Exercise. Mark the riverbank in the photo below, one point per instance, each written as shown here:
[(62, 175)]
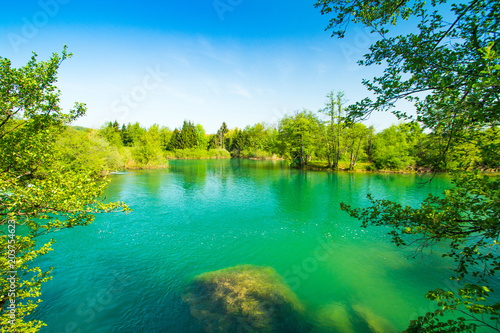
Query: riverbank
[(317, 165), (370, 167)]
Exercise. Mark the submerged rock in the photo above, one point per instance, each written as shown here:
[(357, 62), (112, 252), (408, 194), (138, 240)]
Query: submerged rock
[(245, 299), (334, 318), (376, 323)]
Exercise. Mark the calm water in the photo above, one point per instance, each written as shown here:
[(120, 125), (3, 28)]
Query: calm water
[(126, 272)]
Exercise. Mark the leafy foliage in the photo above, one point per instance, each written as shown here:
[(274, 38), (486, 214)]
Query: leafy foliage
[(38, 193), (449, 70), (85, 149), (223, 130), (466, 219), (394, 148), (257, 141), (148, 148), (136, 147), (111, 133), (335, 127), (298, 136), (454, 64)]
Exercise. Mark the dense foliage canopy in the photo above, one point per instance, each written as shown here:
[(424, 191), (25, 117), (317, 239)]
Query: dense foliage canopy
[(448, 66), (39, 192)]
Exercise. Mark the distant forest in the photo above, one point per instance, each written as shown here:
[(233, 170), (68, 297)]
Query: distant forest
[(326, 139)]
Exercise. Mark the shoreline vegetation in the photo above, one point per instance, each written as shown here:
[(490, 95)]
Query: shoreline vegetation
[(303, 139), (316, 141), (313, 166)]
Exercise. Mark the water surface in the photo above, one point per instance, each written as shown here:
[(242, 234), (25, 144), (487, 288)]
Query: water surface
[(127, 272)]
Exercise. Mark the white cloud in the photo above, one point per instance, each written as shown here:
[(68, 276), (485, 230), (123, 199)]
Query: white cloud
[(240, 91)]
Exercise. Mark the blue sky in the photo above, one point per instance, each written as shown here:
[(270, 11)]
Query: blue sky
[(164, 62)]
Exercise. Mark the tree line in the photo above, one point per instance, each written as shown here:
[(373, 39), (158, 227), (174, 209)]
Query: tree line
[(327, 139)]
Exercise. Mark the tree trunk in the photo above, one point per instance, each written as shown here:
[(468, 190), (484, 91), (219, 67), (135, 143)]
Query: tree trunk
[(370, 145), (338, 132), (328, 156), (357, 153), (351, 161), (302, 162)]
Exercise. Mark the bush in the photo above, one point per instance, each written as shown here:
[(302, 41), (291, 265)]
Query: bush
[(256, 153), (194, 153)]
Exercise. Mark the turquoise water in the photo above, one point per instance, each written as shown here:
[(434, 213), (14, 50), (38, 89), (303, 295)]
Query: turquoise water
[(127, 272)]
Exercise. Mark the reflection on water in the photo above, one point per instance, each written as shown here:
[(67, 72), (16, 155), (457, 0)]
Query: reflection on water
[(128, 272)]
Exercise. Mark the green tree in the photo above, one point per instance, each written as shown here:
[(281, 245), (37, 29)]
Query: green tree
[(188, 136), (260, 136), (272, 139), (126, 138), (298, 137), (448, 67), (356, 135), (135, 131), (256, 136), (175, 142), (223, 130), (394, 148), (37, 195), (240, 142), (435, 154), (253, 141), (77, 150), (165, 137), (112, 133), (201, 138), (369, 143), (334, 112), (489, 157), (228, 138), (213, 141), (148, 148)]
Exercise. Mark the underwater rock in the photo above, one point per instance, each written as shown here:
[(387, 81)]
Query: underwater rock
[(334, 317), (245, 299), (376, 323)]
